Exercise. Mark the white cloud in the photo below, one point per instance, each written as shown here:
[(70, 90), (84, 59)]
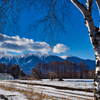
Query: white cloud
[(59, 48), (17, 44)]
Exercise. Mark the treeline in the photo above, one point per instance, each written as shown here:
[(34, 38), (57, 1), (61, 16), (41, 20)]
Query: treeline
[(14, 70), (64, 69)]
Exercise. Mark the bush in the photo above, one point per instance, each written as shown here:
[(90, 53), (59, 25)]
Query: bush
[(36, 73), (52, 75), (60, 79)]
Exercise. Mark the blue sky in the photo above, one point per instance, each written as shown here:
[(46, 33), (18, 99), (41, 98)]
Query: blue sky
[(75, 42)]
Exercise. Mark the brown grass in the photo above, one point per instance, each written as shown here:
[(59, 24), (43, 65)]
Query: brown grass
[(28, 92)]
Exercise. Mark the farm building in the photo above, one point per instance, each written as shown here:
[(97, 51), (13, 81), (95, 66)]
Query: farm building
[(5, 76)]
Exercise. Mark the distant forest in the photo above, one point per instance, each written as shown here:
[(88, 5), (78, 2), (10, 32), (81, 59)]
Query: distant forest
[(54, 69), (14, 70), (64, 69)]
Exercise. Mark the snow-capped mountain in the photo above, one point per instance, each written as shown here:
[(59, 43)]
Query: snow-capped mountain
[(4, 54), (28, 60)]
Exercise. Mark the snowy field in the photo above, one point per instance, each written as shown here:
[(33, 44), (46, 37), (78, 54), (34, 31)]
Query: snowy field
[(8, 95), (74, 89)]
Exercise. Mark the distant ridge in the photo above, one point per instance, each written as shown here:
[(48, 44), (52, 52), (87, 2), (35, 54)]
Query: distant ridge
[(28, 60), (90, 63)]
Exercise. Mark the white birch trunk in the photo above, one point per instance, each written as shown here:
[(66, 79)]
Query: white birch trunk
[(94, 34), (97, 70)]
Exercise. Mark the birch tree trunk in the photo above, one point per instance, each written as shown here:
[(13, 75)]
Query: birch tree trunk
[(94, 34)]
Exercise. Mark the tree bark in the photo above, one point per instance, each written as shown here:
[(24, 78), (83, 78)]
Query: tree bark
[(97, 70), (94, 34)]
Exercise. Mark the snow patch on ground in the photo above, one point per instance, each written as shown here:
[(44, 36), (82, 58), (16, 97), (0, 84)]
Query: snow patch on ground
[(11, 95), (54, 92)]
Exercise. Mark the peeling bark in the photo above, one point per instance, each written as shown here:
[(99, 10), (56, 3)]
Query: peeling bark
[(94, 34)]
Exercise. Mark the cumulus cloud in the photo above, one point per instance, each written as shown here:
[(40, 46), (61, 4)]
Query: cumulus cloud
[(59, 48), (17, 44)]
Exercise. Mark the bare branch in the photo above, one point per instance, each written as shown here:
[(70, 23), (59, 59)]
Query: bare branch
[(87, 16), (80, 6), (89, 5), (52, 10), (52, 24), (9, 15)]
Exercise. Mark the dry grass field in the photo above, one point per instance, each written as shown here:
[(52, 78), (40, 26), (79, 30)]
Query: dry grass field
[(50, 90)]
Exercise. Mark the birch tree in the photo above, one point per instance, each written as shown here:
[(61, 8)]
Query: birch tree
[(94, 34), (58, 12)]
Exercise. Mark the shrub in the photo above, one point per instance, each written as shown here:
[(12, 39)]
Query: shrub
[(60, 79), (52, 75)]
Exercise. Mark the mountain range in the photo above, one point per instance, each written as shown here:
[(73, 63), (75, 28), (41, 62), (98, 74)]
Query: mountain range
[(28, 60)]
